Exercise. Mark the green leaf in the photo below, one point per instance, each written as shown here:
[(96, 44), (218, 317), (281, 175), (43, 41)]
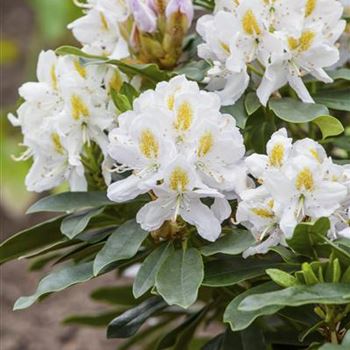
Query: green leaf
[(31, 239), (70, 201), (239, 320), (100, 320), (295, 111), (329, 126), (149, 71), (307, 235), (146, 275), (251, 103), (238, 112), (76, 223), (129, 91), (122, 244), (234, 242), (334, 99), (129, 322), (194, 70), (230, 271), (342, 73), (180, 277), (281, 277), (121, 295), (180, 337), (322, 293), (57, 281)]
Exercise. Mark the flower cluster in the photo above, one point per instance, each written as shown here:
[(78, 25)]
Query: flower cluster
[(67, 109), (150, 31), (297, 183), (279, 40), (180, 149)]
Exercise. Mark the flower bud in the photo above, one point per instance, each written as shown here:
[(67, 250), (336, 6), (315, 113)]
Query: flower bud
[(144, 16), (184, 7)]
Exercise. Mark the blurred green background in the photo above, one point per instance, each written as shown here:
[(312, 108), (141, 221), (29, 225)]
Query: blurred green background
[(27, 27)]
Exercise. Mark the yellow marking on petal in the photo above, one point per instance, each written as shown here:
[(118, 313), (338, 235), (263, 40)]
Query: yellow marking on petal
[(104, 21), (171, 102), (206, 143), (225, 47), (303, 43), (184, 117), (276, 156), (178, 179), (315, 154), (54, 77), (250, 24), (305, 180), (57, 143), (79, 68), (79, 108), (310, 7), (148, 144), (116, 82), (263, 213)]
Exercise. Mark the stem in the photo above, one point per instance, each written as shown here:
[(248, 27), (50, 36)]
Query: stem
[(254, 70), (334, 337)]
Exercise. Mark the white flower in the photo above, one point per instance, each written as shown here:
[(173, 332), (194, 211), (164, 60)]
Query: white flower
[(177, 125), (180, 196)]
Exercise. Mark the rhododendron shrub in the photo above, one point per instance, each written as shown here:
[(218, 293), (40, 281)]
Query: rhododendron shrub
[(205, 151)]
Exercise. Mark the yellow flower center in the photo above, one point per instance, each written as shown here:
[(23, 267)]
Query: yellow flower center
[(148, 144), (184, 117), (315, 154), (116, 81), (303, 43), (225, 47), (79, 68), (305, 180), (171, 102), (310, 7), (250, 24), (79, 109), (276, 156), (55, 138), (54, 77), (263, 213), (206, 143), (179, 179)]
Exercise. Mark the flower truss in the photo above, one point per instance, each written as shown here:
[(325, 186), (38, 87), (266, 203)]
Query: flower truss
[(281, 40), (207, 158)]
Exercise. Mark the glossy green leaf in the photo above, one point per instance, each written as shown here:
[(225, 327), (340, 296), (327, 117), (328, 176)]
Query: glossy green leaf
[(57, 281), (194, 70), (70, 201), (281, 277), (146, 276), (180, 337), (295, 111), (128, 323), (239, 320), (227, 272), (99, 320), (238, 112), (180, 277), (76, 223), (251, 103), (334, 99), (234, 242), (119, 295), (31, 239), (322, 293), (329, 126), (341, 73), (149, 71), (121, 101), (122, 244)]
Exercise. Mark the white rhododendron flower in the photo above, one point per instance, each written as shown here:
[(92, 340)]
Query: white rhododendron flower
[(279, 41), (178, 145), (67, 109), (298, 183)]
